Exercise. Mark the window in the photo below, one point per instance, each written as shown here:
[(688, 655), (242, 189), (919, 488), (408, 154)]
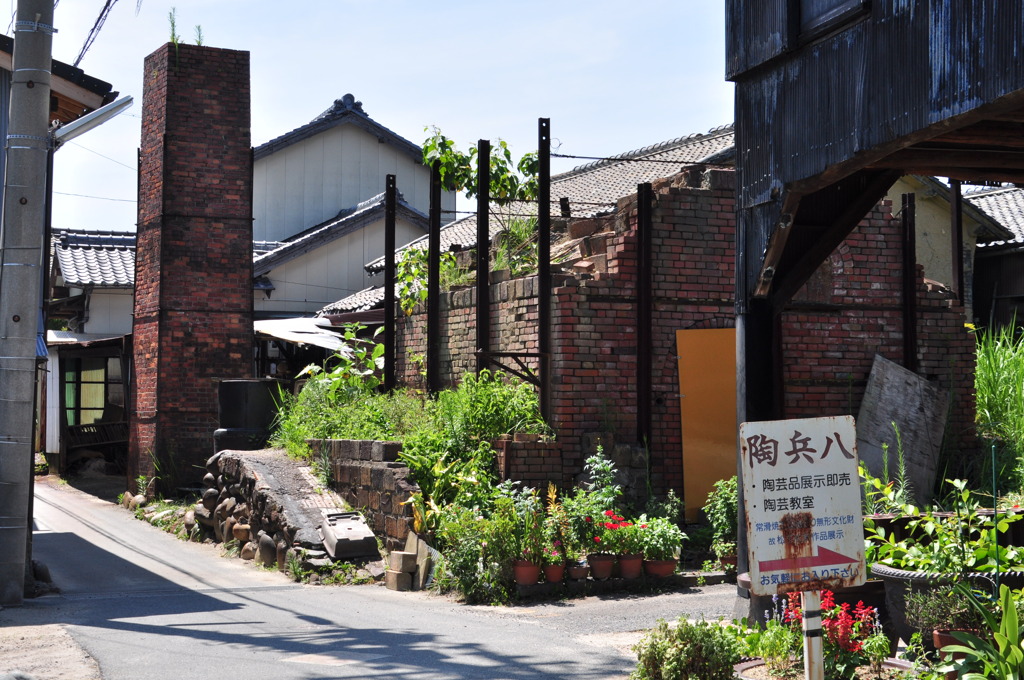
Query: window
[(818, 17), (93, 389)]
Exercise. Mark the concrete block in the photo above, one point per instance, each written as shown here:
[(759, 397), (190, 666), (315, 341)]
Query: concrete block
[(402, 561), (397, 580)]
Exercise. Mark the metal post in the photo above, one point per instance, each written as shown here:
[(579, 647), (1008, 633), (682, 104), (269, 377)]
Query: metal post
[(957, 234), (390, 336), (434, 283), (909, 220), (814, 662), (544, 263), (483, 260), (21, 249), (644, 309)]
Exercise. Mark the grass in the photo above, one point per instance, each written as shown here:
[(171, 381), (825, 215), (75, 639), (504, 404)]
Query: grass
[(999, 386)]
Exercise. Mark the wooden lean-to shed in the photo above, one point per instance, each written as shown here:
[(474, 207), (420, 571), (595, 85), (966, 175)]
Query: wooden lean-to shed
[(834, 100)]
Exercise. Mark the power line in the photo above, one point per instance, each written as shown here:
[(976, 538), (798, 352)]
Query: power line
[(100, 198), (112, 160)]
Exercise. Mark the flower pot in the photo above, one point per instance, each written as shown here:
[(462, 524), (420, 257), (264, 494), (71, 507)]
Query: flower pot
[(578, 572), (553, 573), (631, 566), (660, 568), (942, 637), (898, 583), (601, 565), (525, 573)]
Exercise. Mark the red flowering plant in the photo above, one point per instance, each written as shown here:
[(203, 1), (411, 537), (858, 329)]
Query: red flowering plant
[(614, 534), (852, 635)]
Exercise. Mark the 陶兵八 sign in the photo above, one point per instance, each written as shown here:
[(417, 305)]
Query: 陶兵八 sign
[(801, 494)]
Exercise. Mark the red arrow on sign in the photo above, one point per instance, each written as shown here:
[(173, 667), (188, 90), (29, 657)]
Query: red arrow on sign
[(824, 558)]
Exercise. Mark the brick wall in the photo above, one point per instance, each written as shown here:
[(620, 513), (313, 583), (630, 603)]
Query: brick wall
[(369, 477), (193, 295), (845, 315)]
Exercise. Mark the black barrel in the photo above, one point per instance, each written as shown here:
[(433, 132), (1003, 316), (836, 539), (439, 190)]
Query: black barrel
[(246, 411)]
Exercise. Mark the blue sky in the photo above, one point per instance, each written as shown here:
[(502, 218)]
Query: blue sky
[(611, 76)]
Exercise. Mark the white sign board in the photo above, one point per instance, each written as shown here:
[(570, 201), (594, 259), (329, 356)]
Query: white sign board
[(801, 493)]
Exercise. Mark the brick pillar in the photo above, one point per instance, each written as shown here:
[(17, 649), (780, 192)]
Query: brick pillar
[(193, 270)]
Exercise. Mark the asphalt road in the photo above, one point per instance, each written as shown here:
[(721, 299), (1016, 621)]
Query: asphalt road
[(145, 605)]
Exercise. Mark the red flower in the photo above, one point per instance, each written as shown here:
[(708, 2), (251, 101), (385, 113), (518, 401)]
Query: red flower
[(597, 539)]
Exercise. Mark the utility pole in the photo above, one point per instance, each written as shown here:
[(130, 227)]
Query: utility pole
[(21, 257)]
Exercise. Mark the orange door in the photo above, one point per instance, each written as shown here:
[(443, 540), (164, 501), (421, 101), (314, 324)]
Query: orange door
[(707, 388)]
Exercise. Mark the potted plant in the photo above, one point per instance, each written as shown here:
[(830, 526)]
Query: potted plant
[(528, 534), (660, 542), (553, 563), (1000, 653), (721, 508), (938, 611), (940, 549)]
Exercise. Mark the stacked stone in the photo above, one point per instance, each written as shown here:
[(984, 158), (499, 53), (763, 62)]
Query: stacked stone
[(235, 506)]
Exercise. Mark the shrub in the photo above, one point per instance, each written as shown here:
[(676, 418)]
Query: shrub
[(699, 650)]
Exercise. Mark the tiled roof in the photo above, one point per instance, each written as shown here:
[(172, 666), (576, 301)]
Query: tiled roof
[(103, 259), (364, 300), (344, 111), (345, 222), (1006, 206), (594, 188)]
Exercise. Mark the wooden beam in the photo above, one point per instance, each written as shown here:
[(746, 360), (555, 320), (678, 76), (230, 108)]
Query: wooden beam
[(792, 278), (1008, 104), (989, 133), (970, 174), (938, 159)]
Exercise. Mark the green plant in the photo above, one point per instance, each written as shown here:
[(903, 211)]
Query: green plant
[(411, 276), (172, 20), (940, 607), (510, 180), (961, 541), (999, 389), (199, 35), (354, 370), (293, 567), (517, 247), (660, 538), (701, 650), (999, 656), (589, 502), (721, 509), (670, 506)]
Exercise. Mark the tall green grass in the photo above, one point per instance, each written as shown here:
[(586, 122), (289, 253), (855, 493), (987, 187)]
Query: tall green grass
[(999, 388)]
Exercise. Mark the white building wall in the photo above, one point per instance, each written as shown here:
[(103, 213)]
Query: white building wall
[(110, 311), (334, 271), (311, 181)]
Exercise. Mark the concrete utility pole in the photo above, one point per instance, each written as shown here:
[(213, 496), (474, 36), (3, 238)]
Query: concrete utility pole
[(21, 251)]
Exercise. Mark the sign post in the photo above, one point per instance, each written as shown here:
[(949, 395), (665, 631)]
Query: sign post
[(805, 529)]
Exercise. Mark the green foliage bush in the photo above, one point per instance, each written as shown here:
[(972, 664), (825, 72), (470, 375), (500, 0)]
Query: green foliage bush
[(700, 650)]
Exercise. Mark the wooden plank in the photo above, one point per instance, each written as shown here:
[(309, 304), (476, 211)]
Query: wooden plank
[(918, 408), (938, 159)]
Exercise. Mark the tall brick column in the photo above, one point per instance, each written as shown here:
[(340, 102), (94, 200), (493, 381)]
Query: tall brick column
[(193, 269)]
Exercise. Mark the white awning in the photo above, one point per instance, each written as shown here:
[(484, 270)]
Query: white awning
[(302, 331)]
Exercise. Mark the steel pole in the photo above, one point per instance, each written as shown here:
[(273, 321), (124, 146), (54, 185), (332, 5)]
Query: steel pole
[(483, 260), (814, 661), (21, 256), (390, 336)]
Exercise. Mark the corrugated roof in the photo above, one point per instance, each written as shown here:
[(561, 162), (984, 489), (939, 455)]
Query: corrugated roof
[(344, 111), (364, 300), (346, 222), (594, 188), (102, 259), (1006, 206)]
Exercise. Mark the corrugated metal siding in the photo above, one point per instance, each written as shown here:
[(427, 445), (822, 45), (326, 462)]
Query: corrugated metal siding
[(911, 65), (755, 32)]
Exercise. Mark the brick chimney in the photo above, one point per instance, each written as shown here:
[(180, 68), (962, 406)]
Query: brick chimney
[(193, 268)]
